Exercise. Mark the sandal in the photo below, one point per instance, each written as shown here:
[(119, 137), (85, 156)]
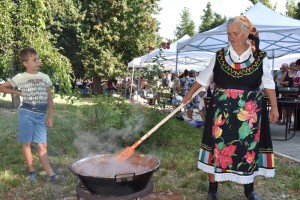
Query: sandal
[(211, 196), (32, 176), (52, 178)]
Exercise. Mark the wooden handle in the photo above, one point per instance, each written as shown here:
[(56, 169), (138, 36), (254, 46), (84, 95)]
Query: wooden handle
[(137, 143)]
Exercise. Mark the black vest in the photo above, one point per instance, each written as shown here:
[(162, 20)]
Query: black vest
[(225, 76)]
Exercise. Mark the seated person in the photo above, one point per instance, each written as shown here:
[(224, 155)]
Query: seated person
[(146, 92), (135, 98), (287, 80)]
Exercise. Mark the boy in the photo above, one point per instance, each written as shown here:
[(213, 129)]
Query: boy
[(35, 87)]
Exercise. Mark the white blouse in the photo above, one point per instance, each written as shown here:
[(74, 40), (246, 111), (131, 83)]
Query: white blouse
[(205, 77)]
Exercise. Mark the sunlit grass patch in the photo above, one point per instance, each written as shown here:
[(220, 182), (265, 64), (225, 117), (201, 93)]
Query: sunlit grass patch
[(9, 177), (175, 143)]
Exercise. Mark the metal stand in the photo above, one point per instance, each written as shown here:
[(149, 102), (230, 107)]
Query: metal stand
[(290, 105), (83, 193)]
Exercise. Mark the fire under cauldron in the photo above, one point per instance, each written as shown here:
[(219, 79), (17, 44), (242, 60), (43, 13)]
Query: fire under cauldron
[(107, 176)]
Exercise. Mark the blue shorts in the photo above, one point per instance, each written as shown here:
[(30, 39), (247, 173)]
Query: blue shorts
[(32, 127)]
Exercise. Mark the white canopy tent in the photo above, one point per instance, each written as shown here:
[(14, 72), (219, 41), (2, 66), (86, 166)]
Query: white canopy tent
[(279, 35), (284, 59), (171, 60), (190, 60)]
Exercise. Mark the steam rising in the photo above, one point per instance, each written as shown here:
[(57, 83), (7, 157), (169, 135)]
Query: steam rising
[(90, 144), (106, 166)]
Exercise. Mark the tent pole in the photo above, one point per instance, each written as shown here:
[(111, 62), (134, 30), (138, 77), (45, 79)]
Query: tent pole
[(139, 82), (273, 62), (176, 76), (176, 66), (125, 92), (132, 82)]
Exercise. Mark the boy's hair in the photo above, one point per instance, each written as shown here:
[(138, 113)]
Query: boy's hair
[(25, 52)]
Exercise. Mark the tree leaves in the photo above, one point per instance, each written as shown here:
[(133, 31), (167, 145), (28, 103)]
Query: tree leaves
[(186, 26), (101, 36), (210, 19), (24, 25)]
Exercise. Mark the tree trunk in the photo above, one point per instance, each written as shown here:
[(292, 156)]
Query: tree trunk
[(97, 87), (15, 101)]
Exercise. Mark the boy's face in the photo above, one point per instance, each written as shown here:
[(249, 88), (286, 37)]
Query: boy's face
[(33, 64)]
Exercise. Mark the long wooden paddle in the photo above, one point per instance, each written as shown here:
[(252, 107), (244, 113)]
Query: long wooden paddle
[(128, 151)]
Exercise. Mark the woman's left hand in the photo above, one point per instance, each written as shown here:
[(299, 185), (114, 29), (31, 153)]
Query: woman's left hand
[(274, 116)]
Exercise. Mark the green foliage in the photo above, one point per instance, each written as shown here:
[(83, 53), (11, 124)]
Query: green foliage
[(265, 2), (186, 26), (210, 19), (293, 9), (7, 36), (24, 25), (108, 112), (155, 71), (105, 112), (113, 34), (63, 21), (98, 38), (101, 37)]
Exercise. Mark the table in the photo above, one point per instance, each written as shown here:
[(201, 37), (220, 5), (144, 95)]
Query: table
[(287, 92), (290, 104)]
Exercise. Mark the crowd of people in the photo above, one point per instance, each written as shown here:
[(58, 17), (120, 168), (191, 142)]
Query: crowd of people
[(148, 91), (168, 89), (287, 78)]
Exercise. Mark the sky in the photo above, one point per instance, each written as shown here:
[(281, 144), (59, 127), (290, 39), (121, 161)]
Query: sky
[(169, 16)]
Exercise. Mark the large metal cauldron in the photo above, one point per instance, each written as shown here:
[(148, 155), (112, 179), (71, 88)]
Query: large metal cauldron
[(108, 176)]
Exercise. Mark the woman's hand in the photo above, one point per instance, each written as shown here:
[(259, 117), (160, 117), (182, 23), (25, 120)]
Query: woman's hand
[(19, 92), (287, 83), (274, 116), (187, 97)]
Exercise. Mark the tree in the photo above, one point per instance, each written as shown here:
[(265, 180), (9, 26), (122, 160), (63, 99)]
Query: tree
[(186, 25), (63, 22), (266, 3), (23, 25), (7, 36), (102, 35), (210, 19), (293, 9)]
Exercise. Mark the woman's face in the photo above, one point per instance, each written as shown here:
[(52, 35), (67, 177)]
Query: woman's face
[(236, 36), (293, 68)]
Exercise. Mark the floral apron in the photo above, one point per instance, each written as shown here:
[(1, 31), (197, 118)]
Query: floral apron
[(236, 144)]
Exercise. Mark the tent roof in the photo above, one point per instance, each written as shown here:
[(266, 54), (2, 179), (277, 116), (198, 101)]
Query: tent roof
[(284, 59), (165, 52), (169, 56), (279, 35)]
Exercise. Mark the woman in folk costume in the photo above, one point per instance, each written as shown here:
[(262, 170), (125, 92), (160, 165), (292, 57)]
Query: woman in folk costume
[(236, 144)]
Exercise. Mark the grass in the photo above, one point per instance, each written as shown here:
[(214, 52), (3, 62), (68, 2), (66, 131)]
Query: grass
[(79, 131)]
